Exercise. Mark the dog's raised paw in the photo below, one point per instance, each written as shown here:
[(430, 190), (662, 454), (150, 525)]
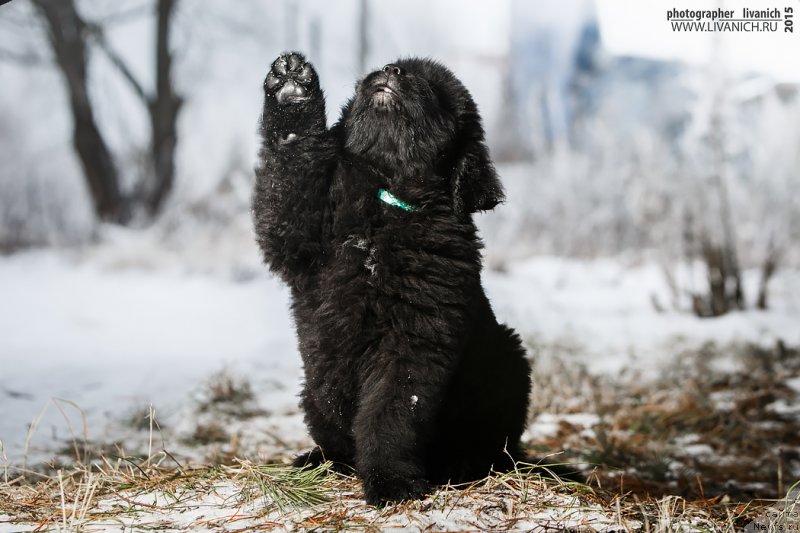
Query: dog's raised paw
[(290, 79)]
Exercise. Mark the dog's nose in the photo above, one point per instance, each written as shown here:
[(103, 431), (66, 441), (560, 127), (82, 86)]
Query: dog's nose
[(393, 70)]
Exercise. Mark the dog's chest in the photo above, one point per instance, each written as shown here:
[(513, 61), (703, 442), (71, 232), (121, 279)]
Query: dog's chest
[(373, 240), (361, 254)]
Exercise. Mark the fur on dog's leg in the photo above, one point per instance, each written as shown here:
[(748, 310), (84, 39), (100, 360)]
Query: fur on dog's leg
[(290, 202), (387, 456), (333, 444), (396, 419)]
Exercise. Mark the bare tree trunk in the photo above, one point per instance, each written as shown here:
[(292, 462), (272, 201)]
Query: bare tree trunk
[(164, 108), (67, 34), (767, 271)]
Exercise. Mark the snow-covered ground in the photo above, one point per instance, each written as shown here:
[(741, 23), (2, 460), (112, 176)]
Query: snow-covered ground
[(606, 308), (134, 321), (111, 340)]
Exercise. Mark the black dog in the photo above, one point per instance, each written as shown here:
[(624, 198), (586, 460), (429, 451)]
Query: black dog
[(409, 377)]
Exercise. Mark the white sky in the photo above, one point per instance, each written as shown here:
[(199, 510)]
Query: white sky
[(640, 27)]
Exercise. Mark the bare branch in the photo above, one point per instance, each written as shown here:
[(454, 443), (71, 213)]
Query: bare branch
[(164, 110), (99, 37)]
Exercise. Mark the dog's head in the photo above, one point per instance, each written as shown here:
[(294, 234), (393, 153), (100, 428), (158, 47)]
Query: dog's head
[(415, 116)]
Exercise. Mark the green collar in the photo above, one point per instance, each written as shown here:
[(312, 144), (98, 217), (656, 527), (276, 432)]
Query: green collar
[(388, 198)]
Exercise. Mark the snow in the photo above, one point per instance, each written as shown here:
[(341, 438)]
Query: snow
[(782, 407), (547, 424), (109, 339), (606, 307), (794, 384), (690, 446), (129, 322)]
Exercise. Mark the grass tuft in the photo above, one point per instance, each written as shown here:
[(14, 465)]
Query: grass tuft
[(286, 487)]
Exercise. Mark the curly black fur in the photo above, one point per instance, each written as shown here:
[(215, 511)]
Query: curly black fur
[(409, 377)]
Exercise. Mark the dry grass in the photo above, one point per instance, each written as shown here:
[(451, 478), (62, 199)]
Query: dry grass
[(251, 496), (225, 393), (158, 493), (646, 471), (716, 430)]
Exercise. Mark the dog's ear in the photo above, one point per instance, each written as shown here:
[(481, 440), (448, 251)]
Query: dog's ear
[(476, 186)]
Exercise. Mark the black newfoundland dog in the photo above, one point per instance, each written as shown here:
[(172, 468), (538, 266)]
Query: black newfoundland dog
[(409, 378)]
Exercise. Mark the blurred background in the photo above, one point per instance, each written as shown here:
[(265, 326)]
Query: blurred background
[(653, 206)]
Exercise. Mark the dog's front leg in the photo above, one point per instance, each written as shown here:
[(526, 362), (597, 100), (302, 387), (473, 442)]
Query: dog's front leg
[(296, 161), (399, 401)]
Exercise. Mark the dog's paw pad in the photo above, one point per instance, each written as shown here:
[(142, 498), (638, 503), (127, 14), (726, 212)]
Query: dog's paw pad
[(290, 78)]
